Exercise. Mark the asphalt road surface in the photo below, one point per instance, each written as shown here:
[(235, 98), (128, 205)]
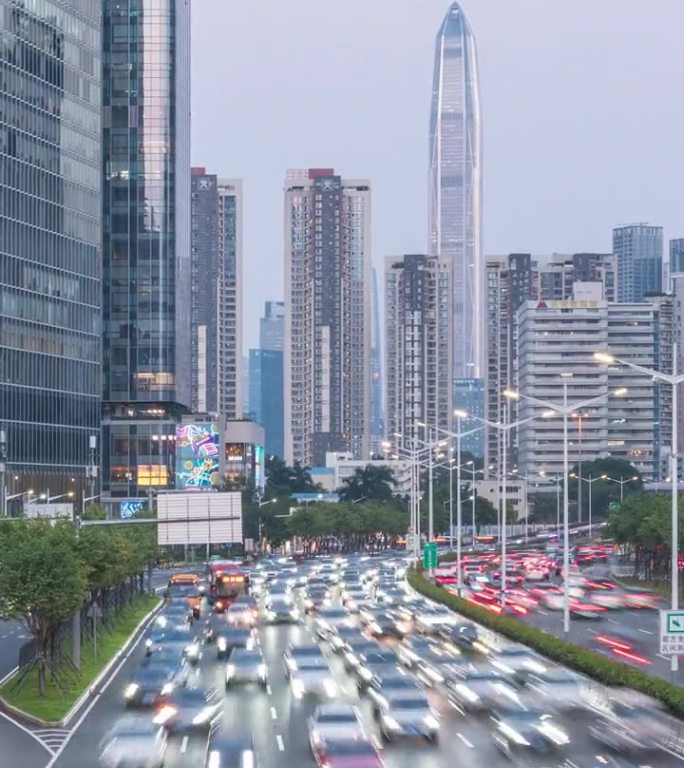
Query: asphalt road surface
[(279, 722)]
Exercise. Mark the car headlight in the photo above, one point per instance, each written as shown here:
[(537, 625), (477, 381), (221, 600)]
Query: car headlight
[(431, 721), (167, 688), (375, 627), (148, 642), (222, 643), (366, 674), (330, 687), (294, 613), (249, 645), (297, 689), (131, 690), (391, 723), (230, 670), (261, 671), (192, 650), (271, 615), (164, 715), (467, 693)]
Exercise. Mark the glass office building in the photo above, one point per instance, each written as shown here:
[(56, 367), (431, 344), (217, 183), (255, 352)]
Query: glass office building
[(50, 240), (146, 242)]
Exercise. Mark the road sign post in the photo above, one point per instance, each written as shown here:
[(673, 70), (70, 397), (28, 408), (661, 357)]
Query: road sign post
[(430, 556), (672, 633)]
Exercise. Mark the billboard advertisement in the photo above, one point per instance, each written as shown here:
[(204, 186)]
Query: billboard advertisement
[(199, 518), (197, 457)]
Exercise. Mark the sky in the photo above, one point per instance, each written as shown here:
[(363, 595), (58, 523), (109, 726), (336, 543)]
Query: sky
[(582, 109)]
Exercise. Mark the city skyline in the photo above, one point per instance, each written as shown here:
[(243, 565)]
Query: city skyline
[(550, 119)]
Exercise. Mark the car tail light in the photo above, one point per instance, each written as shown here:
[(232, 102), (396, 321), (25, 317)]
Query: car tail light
[(630, 656), (613, 643)]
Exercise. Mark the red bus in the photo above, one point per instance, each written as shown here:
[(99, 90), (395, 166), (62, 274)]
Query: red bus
[(227, 581)]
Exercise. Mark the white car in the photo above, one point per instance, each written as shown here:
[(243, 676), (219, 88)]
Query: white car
[(408, 715), (610, 599), (313, 680), (330, 620), (134, 741), (334, 722)]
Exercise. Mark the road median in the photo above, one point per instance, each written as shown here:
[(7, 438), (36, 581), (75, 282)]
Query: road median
[(589, 663), (58, 706)]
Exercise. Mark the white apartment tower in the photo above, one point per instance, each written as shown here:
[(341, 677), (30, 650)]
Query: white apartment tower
[(327, 316), (418, 331)]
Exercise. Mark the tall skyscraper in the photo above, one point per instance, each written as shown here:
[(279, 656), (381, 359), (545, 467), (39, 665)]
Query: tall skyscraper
[(146, 243), (677, 257), (327, 316), (50, 241), (639, 252), (455, 185), (272, 326), (266, 377), (216, 309), (377, 416), (418, 329)]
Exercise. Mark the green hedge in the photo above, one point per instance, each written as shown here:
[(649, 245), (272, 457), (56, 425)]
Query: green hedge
[(613, 673)]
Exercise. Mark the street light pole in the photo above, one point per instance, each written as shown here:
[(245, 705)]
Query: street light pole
[(674, 379)]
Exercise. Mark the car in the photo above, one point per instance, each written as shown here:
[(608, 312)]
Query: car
[(186, 710), (560, 688), (166, 661), (390, 595), (412, 649), (246, 666), (334, 722), (408, 715), (375, 663), (436, 665), (640, 600), (282, 611), (584, 609), (214, 626), (176, 639), (231, 752), (234, 637), (428, 620), (315, 598), (308, 653), (461, 636), (390, 685), (340, 640), (516, 661), (331, 620), (610, 599), (632, 726), (133, 741), (479, 690), (521, 731), (241, 614), (353, 656), (147, 686), (349, 753), (313, 679), (386, 624)]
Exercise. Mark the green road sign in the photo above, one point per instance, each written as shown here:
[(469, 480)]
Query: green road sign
[(675, 622), (430, 555), (614, 506)]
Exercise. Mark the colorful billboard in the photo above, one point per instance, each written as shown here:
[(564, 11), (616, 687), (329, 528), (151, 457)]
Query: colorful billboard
[(197, 457)]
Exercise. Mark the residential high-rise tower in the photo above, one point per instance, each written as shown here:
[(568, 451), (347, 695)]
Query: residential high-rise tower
[(455, 185), (639, 252), (418, 329), (327, 316)]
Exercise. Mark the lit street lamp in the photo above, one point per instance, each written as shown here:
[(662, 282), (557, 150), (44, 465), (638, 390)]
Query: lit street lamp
[(622, 483), (565, 410), (591, 482), (674, 380)]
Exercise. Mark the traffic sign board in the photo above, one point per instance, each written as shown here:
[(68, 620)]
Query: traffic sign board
[(672, 633), (430, 555)]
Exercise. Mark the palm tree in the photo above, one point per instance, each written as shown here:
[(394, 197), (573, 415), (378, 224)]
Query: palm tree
[(372, 482)]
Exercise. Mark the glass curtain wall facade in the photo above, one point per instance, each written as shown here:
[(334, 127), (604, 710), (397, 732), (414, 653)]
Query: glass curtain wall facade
[(50, 240), (455, 185), (146, 242)]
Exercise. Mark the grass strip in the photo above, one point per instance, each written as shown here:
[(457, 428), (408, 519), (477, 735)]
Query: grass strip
[(55, 704)]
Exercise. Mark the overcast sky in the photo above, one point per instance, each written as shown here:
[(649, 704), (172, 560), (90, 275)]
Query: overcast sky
[(582, 105)]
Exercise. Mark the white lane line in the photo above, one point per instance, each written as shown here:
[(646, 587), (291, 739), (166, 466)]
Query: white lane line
[(279, 742), (465, 741), (8, 675), (30, 733), (544, 613), (114, 672), (664, 658), (646, 631), (268, 690), (613, 621), (184, 744), (274, 714)]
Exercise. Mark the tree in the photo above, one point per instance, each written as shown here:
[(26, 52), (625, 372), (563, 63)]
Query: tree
[(603, 492), (372, 483), (42, 580)]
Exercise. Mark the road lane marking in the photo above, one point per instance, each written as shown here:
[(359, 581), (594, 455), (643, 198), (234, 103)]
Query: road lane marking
[(465, 741), (184, 744), (279, 742), (268, 690), (613, 621), (31, 734), (545, 613), (646, 631), (8, 675), (274, 714)]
